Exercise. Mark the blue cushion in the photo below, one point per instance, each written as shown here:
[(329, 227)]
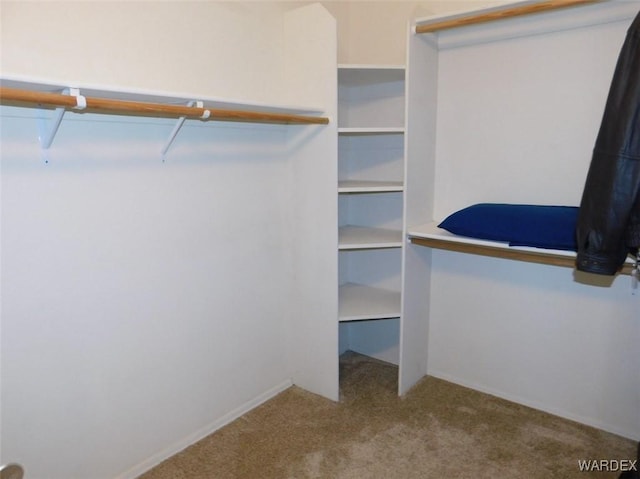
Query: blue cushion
[(551, 227)]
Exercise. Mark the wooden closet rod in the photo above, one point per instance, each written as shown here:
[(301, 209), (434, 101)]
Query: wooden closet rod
[(15, 95), (499, 14)]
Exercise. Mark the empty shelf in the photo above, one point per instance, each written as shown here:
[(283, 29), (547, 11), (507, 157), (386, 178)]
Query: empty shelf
[(361, 237), (373, 130), (358, 302), (366, 186)]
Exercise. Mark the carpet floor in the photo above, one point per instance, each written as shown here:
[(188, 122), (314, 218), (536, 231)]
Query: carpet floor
[(437, 430)]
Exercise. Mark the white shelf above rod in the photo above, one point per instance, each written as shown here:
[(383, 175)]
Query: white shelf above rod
[(515, 9), (75, 101)]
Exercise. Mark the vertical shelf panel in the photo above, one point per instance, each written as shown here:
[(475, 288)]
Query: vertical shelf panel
[(313, 332), (422, 76)]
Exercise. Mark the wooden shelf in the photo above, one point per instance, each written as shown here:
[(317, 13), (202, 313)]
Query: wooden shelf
[(369, 186), (360, 237), (359, 302), (431, 236)]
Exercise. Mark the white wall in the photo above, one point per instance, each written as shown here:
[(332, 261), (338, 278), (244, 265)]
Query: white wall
[(374, 32), (202, 48), (125, 322), (522, 120), (145, 303), (517, 120), (532, 334)]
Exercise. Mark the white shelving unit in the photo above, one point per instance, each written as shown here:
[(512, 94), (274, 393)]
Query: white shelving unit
[(371, 169)]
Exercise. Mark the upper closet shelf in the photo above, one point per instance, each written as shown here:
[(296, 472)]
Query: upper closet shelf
[(521, 19), (156, 103), (149, 105), (431, 236), (361, 75), (18, 92), (369, 66), (484, 15)]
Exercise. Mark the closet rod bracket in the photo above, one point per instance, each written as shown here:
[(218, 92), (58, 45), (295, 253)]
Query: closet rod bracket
[(180, 122), (47, 132)]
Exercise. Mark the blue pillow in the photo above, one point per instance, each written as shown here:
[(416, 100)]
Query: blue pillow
[(550, 227)]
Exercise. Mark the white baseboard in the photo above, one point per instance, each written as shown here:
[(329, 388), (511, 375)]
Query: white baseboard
[(156, 459), (588, 421)]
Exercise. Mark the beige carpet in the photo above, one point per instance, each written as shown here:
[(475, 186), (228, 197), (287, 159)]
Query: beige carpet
[(439, 430)]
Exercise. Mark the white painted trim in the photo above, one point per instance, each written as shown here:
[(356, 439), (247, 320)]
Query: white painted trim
[(156, 459), (534, 405), (538, 24)]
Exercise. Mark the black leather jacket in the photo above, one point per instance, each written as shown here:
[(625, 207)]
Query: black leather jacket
[(608, 226)]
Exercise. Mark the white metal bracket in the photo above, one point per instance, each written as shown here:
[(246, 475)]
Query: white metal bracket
[(47, 132), (179, 123)]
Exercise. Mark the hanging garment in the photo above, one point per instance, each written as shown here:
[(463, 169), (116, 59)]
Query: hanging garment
[(608, 226)]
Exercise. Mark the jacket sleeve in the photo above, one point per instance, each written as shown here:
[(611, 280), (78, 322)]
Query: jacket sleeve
[(607, 227)]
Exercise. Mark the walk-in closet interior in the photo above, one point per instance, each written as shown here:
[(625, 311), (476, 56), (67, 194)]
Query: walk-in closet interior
[(206, 203)]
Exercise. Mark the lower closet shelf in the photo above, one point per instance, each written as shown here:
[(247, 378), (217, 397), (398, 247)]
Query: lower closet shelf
[(431, 236), (359, 302)]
